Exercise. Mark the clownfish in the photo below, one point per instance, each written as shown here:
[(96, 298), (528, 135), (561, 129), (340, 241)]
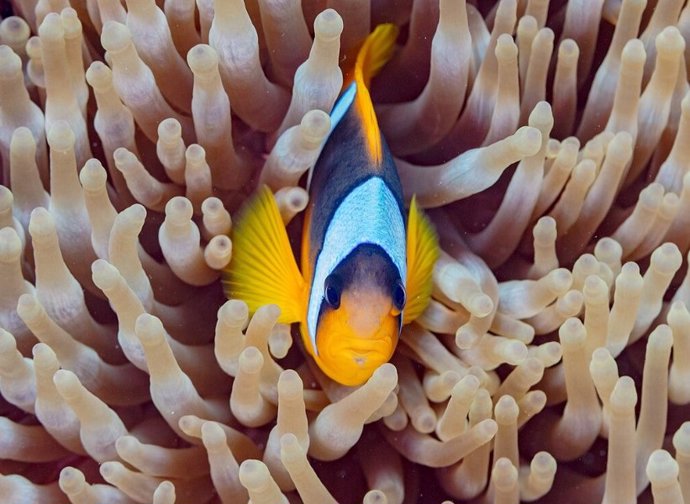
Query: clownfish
[(366, 263)]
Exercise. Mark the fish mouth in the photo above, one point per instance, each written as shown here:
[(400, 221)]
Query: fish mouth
[(351, 360), (364, 359), (365, 350), (352, 365), (360, 360), (368, 354)]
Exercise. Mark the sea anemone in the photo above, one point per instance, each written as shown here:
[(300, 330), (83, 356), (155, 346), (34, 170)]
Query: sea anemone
[(548, 142)]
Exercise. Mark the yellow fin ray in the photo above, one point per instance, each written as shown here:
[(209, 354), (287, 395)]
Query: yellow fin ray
[(422, 253), (263, 269)]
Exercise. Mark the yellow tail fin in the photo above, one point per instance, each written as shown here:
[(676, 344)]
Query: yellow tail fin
[(374, 53)]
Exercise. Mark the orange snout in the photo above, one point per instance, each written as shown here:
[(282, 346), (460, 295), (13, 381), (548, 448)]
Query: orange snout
[(358, 337)]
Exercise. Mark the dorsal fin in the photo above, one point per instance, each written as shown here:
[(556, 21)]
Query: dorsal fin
[(374, 53)]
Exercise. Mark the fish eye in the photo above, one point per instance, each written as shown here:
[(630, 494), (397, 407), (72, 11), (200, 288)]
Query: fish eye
[(399, 296), (333, 287)]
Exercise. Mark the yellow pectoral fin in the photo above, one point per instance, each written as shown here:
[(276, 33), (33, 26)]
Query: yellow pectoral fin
[(263, 269), (422, 253)]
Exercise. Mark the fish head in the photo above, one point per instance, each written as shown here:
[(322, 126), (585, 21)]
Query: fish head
[(360, 318)]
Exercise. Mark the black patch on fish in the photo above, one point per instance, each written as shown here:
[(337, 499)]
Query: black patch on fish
[(342, 166), (367, 266)]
